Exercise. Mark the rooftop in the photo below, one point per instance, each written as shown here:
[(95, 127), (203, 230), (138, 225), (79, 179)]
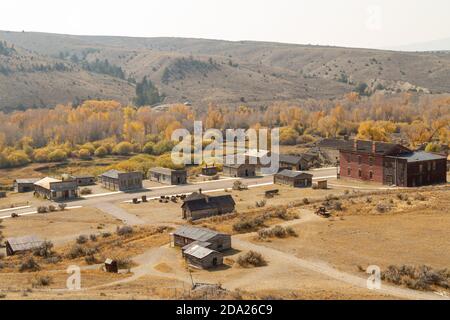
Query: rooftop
[(294, 174), (209, 202), (113, 174), (27, 181), (365, 146), (198, 251), (419, 156), (24, 243), (161, 170), (197, 234), (45, 183)]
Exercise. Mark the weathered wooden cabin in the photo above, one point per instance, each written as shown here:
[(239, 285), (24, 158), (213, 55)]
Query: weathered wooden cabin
[(168, 176), (121, 181), (111, 266), (25, 185), (211, 239), (22, 244), (294, 179), (200, 257), (239, 170), (54, 189), (204, 206)]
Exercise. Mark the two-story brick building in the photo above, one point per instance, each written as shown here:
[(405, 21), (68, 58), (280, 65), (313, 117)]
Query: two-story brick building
[(390, 164)]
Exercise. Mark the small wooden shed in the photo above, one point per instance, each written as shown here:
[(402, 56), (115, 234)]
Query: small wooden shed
[(111, 266), (201, 257), (22, 244), (293, 178), (209, 170), (322, 184)]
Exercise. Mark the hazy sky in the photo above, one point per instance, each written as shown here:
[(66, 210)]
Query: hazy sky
[(356, 23)]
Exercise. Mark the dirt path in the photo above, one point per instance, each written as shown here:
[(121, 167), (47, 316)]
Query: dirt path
[(325, 269), (119, 213)]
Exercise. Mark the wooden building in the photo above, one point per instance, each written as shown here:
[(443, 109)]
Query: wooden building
[(294, 179), (121, 181), (54, 189), (211, 239), (25, 185), (22, 244), (390, 164), (111, 266), (168, 176), (83, 180), (200, 257), (292, 162), (203, 206), (209, 170), (239, 170)]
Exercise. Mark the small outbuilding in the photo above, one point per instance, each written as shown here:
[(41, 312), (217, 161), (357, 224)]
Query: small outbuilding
[(322, 184), (204, 258), (22, 244), (111, 266), (203, 206), (210, 239), (121, 181), (294, 179), (25, 185), (239, 170), (168, 176), (54, 189)]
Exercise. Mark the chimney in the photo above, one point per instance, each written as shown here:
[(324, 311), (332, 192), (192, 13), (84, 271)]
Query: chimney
[(355, 144), (374, 147)]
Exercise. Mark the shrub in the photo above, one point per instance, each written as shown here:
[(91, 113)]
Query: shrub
[(44, 250), (277, 232), (51, 208), (42, 281), (248, 224), (62, 206), (57, 156), (93, 237), (305, 201), (86, 191), (123, 263), (123, 148), (84, 154), (29, 265), (382, 208), (101, 152), (106, 234), (260, 204), (238, 186), (149, 148), (90, 259), (82, 239), (402, 196), (417, 278), (420, 197), (251, 259), (42, 209), (80, 251), (124, 230)]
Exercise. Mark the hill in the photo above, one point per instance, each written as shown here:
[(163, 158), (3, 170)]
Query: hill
[(203, 71)]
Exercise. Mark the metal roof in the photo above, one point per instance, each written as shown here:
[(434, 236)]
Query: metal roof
[(113, 174), (161, 170), (365, 146), (209, 202), (24, 243), (27, 181), (294, 174), (291, 159), (198, 251), (204, 244), (419, 156), (45, 183), (197, 234)]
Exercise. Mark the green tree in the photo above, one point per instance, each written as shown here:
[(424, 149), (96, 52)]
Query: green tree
[(146, 93)]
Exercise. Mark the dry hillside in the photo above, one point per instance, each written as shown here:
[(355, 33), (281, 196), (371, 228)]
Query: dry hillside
[(203, 71)]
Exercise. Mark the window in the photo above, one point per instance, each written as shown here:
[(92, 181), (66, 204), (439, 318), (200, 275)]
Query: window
[(359, 173), (371, 175), (371, 161), (349, 171)]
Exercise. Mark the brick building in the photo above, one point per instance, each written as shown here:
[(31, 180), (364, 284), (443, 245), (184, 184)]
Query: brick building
[(390, 164)]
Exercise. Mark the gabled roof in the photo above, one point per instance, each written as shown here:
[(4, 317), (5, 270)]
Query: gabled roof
[(204, 244), (45, 183), (364, 146), (209, 203), (24, 243), (419, 156), (27, 181), (161, 170), (196, 234), (294, 174), (113, 174), (195, 196), (198, 251), (291, 159)]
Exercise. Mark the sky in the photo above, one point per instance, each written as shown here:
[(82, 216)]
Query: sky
[(352, 23)]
